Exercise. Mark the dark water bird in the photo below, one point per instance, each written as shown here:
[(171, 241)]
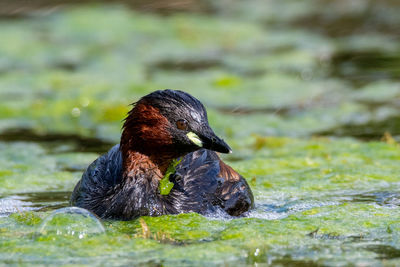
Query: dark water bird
[(162, 127)]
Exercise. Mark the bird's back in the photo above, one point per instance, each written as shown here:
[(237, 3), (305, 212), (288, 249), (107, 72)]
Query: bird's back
[(205, 184), (98, 182)]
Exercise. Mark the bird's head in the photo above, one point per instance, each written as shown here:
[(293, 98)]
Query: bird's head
[(169, 121)]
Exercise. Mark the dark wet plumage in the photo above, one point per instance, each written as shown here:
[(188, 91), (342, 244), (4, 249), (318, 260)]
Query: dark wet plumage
[(124, 183)]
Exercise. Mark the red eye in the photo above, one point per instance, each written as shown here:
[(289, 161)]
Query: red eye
[(182, 124)]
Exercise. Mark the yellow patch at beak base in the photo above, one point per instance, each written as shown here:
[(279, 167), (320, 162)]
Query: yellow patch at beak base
[(194, 138)]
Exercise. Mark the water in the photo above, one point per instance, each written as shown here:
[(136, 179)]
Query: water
[(306, 93), (296, 213), (33, 201)]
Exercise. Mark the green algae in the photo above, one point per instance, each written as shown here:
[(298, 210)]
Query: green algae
[(322, 194), (270, 80), (165, 184), (26, 218), (47, 90), (28, 168)]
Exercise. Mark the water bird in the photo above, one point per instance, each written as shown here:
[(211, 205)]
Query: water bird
[(166, 133)]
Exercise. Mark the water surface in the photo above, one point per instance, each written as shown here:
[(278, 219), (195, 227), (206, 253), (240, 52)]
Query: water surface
[(306, 93)]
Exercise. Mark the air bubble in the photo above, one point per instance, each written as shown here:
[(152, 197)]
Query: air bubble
[(76, 112), (71, 221)]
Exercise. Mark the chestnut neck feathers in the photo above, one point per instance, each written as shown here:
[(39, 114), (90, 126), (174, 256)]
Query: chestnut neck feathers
[(145, 141), (148, 142)]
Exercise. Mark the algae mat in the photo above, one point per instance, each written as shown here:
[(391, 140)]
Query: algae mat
[(288, 84), (318, 202)]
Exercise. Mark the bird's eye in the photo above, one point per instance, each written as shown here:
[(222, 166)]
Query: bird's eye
[(182, 124)]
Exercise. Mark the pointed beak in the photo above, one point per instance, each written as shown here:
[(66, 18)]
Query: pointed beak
[(216, 144), (206, 138)]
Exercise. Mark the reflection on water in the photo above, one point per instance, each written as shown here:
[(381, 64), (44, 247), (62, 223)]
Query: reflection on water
[(15, 10), (362, 67), (38, 201), (280, 209), (390, 199), (12, 204), (371, 130), (47, 201), (384, 251), (75, 142)]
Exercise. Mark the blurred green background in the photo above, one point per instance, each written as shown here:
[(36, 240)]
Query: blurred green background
[(307, 93), (292, 68)]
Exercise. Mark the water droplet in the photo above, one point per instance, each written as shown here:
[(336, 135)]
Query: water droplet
[(71, 221), (85, 102), (76, 112)]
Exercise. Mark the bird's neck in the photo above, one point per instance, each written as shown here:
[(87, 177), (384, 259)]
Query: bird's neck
[(140, 184), (151, 166), (146, 143)]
